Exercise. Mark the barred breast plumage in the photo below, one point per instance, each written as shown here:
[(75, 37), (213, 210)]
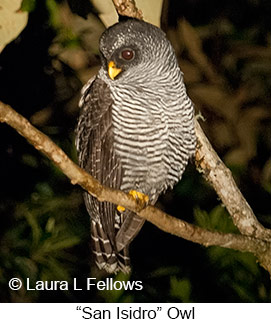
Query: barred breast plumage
[(135, 130)]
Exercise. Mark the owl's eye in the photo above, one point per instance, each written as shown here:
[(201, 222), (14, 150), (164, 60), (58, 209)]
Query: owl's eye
[(127, 54)]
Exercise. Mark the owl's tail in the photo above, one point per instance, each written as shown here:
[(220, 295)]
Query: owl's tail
[(106, 254)]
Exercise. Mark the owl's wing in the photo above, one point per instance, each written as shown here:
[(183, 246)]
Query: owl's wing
[(95, 148), (111, 232)]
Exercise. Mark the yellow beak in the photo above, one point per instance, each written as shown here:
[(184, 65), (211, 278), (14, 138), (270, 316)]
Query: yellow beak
[(113, 71)]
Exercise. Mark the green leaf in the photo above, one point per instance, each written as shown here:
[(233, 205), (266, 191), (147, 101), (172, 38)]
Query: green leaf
[(181, 289), (28, 5), (56, 244), (217, 220), (53, 13), (113, 296)]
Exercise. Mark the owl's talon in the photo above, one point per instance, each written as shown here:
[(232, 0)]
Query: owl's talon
[(137, 196), (143, 198), (120, 208)]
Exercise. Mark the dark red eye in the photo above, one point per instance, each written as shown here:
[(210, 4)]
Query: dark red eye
[(127, 54)]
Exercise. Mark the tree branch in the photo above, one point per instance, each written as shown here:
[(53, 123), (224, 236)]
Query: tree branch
[(162, 220), (127, 8), (220, 178)]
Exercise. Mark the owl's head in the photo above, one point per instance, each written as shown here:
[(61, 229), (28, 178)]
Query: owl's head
[(132, 46)]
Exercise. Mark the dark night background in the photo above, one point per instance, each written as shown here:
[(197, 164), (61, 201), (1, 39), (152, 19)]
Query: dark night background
[(44, 227)]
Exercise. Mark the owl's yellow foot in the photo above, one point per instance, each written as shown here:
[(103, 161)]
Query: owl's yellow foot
[(120, 208), (144, 200)]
